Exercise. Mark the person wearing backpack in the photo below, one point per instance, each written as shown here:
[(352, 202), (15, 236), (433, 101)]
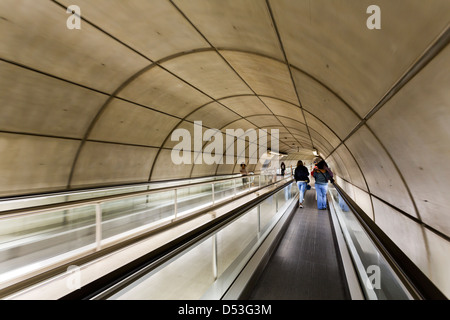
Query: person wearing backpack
[(301, 178), (322, 176)]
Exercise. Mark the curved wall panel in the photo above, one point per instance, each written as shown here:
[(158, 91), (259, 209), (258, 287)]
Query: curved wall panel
[(97, 106)]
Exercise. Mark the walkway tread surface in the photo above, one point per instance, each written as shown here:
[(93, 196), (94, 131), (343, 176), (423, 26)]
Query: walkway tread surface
[(306, 264)]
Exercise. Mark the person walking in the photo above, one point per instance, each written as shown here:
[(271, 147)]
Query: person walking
[(301, 178), (321, 177), (244, 173), (283, 168)]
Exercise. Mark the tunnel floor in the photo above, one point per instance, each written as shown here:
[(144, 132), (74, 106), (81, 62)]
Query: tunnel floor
[(306, 264)]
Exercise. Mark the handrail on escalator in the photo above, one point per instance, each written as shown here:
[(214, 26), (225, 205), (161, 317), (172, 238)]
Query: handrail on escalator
[(97, 200), (106, 249), (112, 282), (416, 282)]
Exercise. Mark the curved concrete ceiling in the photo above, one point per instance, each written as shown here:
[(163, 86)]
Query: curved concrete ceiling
[(97, 106)]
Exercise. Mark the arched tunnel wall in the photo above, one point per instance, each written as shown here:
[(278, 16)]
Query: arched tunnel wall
[(98, 105)]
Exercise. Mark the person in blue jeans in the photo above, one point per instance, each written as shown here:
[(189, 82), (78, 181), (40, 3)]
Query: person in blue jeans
[(321, 175), (301, 176)]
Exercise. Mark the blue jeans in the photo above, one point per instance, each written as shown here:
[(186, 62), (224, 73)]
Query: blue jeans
[(302, 188), (321, 190)]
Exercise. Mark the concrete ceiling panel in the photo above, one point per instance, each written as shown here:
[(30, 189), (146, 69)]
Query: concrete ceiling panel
[(321, 102), (184, 125), (245, 105), (364, 201), (285, 109), (414, 128), (319, 126), (108, 164), (172, 60), (208, 72), (213, 146), (406, 234), (154, 28), (214, 115), (124, 122), (165, 169), (354, 172), (34, 34), (381, 175), (204, 170), (323, 152), (225, 168), (293, 124), (297, 132), (265, 121), (246, 25), (306, 142), (35, 103), (327, 148), (31, 164), (264, 75), (359, 64), (239, 124), (347, 187), (302, 154), (162, 91)]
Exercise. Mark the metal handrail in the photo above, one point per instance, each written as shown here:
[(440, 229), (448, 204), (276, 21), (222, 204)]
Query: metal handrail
[(113, 281), (416, 282), (99, 200), (70, 192)]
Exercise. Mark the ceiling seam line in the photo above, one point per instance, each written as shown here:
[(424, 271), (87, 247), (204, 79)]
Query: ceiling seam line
[(17, 64), (215, 49), (113, 95), (288, 66), (212, 48), (254, 92), (403, 180), (137, 52), (98, 115), (179, 54), (402, 212), (149, 107), (207, 95), (107, 33), (426, 57), (213, 100), (157, 63), (40, 135), (238, 138), (142, 105), (189, 114), (248, 145), (423, 60), (334, 93)]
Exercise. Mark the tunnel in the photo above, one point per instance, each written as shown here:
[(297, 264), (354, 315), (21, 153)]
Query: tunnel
[(91, 93)]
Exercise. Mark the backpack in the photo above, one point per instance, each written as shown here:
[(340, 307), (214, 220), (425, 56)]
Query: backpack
[(301, 174)]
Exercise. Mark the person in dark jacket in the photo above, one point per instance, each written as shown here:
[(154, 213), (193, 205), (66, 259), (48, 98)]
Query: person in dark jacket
[(321, 176), (301, 177)]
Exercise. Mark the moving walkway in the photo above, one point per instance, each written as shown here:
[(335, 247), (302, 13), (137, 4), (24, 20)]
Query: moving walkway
[(222, 248)]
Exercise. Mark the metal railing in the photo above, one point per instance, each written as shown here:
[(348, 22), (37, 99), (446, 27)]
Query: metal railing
[(384, 271), (36, 239), (242, 229)]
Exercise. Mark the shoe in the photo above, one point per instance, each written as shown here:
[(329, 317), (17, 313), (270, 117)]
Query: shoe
[(300, 205)]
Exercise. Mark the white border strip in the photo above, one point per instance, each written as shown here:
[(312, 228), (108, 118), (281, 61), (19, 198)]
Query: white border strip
[(350, 274)]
